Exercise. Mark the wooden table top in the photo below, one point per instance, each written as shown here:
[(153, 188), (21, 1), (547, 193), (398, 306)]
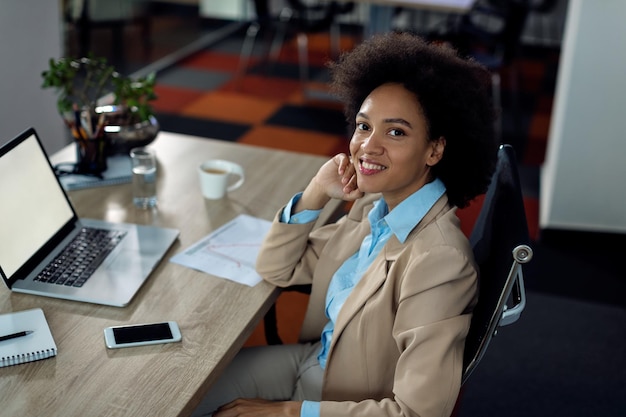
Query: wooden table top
[(215, 316)]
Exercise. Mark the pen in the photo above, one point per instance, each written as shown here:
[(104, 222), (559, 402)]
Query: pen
[(14, 335), (78, 124)]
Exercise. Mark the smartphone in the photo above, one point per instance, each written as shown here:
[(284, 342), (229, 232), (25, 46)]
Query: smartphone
[(141, 334)]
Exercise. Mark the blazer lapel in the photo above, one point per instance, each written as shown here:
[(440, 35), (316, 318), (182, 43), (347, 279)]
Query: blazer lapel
[(376, 274)]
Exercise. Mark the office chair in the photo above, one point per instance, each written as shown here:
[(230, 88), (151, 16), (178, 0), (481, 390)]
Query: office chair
[(540, 8), (499, 241), (299, 18)]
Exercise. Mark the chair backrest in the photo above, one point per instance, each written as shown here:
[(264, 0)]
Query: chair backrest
[(318, 16), (543, 6), (497, 25), (499, 240)]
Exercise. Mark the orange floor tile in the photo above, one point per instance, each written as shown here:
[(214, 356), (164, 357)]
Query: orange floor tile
[(290, 311), (263, 86), (294, 140), (232, 107), (213, 61), (172, 99)]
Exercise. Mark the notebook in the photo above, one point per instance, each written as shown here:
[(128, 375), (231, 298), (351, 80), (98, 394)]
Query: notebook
[(119, 171), (37, 221), (32, 347)]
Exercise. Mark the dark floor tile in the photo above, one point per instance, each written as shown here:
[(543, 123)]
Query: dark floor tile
[(193, 78), (310, 118), (232, 45), (201, 127), (582, 265), (563, 357), (283, 70)]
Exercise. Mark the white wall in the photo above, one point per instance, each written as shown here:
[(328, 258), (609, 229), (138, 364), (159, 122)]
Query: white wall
[(30, 34), (583, 180)]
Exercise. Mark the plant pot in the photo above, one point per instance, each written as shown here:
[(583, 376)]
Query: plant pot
[(121, 135)]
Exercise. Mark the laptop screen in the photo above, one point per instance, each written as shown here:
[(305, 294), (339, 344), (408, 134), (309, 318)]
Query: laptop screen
[(33, 206)]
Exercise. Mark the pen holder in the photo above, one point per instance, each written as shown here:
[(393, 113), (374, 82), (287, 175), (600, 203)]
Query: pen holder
[(91, 142), (91, 155)]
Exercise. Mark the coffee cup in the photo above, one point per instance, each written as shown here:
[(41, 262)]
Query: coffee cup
[(216, 175)]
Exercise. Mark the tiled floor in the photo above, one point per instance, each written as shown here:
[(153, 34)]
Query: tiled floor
[(201, 95), (264, 107), (205, 87)]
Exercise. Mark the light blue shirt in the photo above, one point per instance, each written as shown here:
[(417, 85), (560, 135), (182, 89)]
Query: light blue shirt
[(383, 224)]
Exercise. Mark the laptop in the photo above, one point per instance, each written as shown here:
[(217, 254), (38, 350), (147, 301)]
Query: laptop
[(44, 245)]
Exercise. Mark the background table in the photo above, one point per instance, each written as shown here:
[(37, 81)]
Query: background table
[(381, 12), (216, 316), (451, 6)]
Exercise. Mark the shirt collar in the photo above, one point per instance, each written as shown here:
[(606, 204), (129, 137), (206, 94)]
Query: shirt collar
[(402, 219)]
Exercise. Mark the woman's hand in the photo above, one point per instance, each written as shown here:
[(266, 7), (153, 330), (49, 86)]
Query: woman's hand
[(259, 408), (335, 179)]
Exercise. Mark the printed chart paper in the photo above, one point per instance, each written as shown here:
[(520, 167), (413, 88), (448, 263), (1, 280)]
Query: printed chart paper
[(229, 252)]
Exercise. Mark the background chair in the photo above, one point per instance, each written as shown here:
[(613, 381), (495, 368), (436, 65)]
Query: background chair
[(541, 8), (491, 33), (88, 15), (499, 241), (298, 18)]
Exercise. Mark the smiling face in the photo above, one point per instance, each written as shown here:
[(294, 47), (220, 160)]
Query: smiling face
[(390, 148)]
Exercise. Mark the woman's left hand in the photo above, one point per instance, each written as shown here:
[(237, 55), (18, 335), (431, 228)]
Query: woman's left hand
[(258, 407)]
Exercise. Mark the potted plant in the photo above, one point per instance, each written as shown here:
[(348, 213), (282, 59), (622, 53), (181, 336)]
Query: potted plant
[(104, 110), (132, 122)]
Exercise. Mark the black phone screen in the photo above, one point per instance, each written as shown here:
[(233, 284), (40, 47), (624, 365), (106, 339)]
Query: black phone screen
[(142, 333)]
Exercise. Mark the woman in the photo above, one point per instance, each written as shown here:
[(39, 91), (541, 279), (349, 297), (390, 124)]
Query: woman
[(394, 281)]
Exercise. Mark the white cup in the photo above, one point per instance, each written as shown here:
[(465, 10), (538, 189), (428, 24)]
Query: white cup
[(215, 175)]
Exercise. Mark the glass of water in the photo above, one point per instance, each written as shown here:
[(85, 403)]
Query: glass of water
[(144, 177)]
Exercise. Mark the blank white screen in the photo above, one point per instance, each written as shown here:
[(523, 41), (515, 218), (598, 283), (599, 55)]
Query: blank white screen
[(33, 206)]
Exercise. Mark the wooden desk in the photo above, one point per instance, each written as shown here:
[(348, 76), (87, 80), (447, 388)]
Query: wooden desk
[(216, 316)]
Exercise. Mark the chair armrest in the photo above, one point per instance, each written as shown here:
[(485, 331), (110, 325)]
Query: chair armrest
[(521, 255)]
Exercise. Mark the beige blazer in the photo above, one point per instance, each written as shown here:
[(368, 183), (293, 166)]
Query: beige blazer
[(397, 348)]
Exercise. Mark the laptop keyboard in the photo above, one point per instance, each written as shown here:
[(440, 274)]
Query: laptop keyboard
[(82, 256)]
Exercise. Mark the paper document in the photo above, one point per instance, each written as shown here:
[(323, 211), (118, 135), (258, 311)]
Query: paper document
[(229, 252)]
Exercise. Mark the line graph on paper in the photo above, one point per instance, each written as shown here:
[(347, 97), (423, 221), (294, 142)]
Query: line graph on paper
[(229, 252), (239, 254)]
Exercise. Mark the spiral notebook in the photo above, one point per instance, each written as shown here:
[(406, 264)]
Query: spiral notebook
[(32, 347)]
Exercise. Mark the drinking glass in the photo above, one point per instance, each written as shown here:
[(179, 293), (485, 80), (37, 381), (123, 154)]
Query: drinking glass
[(144, 177)]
